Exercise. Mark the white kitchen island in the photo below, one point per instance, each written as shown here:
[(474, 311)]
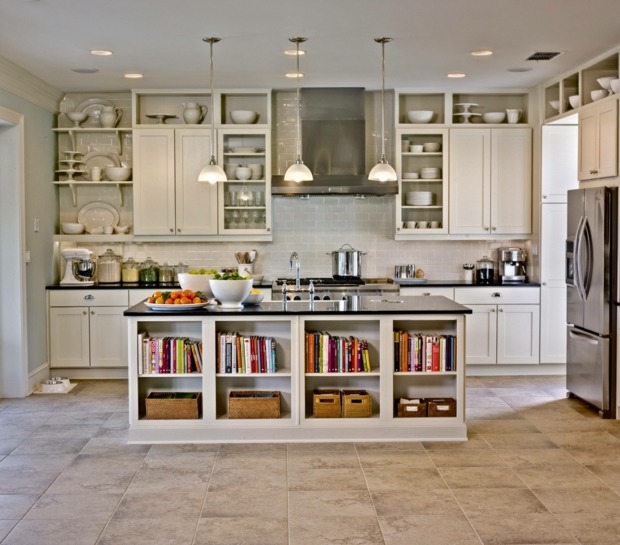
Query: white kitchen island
[(368, 318)]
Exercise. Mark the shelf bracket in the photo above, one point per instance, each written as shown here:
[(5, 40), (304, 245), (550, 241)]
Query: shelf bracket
[(73, 189), (73, 142)]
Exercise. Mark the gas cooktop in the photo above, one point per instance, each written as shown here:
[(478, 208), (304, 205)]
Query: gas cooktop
[(329, 281)]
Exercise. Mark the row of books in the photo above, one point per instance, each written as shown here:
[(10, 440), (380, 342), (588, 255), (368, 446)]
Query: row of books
[(238, 353), (335, 354), (170, 355), (421, 352)]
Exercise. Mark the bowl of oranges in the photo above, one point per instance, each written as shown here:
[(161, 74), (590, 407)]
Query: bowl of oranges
[(176, 300)]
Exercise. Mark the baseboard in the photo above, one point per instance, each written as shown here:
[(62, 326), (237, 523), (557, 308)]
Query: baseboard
[(90, 373), (37, 376), (558, 369)]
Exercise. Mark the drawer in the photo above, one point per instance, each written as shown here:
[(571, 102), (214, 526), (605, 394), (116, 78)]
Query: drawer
[(445, 292), (89, 298), (497, 295)]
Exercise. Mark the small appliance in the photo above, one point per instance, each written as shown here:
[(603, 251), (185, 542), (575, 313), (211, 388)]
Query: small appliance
[(79, 267), (512, 265)]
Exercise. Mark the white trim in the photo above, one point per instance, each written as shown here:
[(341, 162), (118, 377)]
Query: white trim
[(37, 376)]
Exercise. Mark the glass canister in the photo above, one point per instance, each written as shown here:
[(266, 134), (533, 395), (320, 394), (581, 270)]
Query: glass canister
[(180, 268), (130, 273), (149, 272), (166, 273), (109, 267), (484, 271)]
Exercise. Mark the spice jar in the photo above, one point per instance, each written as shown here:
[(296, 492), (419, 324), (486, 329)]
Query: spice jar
[(109, 267), (130, 274), (166, 274), (149, 272)]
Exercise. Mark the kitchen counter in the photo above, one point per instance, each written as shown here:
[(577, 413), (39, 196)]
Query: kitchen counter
[(463, 284), (128, 286)]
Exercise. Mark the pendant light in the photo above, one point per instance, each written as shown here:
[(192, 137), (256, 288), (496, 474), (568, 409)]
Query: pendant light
[(212, 173), (298, 172), (382, 171)]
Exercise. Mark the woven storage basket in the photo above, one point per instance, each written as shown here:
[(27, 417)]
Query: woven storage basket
[(326, 404), (411, 410), (441, 406), (254, 404), (356, 404), (173, 405)]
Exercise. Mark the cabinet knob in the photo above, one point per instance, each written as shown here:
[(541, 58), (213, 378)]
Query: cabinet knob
[(544, 196), (178, 230), (496, 294), (426, 293), (500, 310), (493, 228), (594, 171), (492, 310), (544, 283), (486, 228), (268, 229), (171, 230), (92, 312), (89, 297), (84, 312)]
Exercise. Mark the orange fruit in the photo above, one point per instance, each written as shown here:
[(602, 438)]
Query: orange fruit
[(185, 300), (169, 301), (188, 293), (150, 300), (197, 300), (159, 300), (178, 302)]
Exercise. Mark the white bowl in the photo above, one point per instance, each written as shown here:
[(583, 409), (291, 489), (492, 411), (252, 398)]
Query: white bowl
[(72, 228), (574, 101), (254, 299), (419, 116), (77, 117), (231, 293), (118, 174), (243, 173), (432, 146), (257, 279), (605, 82), (244, 117), (411, 175), (598, 94), (615, 85), (494, 117), (555, 104), (120, 229), (196, 282)]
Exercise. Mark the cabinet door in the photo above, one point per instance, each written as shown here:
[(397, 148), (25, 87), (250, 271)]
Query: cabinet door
[(108, 337), (69, 337), (154, 199), (511, 181), (518, 334), (470, 181), (598, 141), (552, 324), (196, 202), (481, 335), (559, 162)]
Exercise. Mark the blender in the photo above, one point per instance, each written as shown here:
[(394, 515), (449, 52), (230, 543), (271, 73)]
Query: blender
[(79, 267)]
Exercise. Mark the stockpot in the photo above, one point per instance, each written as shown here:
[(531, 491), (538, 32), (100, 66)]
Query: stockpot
[(346, 263)]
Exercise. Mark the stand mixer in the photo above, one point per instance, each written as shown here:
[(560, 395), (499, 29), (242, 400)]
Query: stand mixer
[(79, 268)]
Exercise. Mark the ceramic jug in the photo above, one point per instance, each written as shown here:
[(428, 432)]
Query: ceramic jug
[(194, 113), (110, 116), (513, 115)]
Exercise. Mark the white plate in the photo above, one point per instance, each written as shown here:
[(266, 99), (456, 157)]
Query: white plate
[(156, 306), (98, 214), (102, 159), (93, 107)]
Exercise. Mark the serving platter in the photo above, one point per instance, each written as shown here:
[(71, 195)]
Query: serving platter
[(93, 106), (104, 159), (98, 214), (158, 306)]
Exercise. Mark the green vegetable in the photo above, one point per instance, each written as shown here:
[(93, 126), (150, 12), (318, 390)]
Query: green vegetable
[(229, 276), (203, 271)]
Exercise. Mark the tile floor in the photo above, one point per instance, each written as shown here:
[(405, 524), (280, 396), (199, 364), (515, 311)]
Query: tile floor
[(538, 469)]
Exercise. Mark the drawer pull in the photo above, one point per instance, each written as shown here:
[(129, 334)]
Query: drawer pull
[(89, 297), (84, 312), (426, 293), (92, 312), (496, 294)]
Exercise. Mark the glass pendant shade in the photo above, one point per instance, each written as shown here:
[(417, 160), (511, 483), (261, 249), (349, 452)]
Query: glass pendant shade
[(298, 172), (382, 172)]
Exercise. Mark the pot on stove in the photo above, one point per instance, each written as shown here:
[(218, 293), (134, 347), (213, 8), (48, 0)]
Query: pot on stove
[(346, 263)]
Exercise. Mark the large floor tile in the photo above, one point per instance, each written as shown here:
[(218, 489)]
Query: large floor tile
[(302, 461), (481, 477), (55, 532), (82, 505), (497, 501), (252, 502), (148, 531), (180, 505), (560, 476), (397, 478), (240, 530), (223, 479), (327, 479), (428, 529), (513, 440), (465, 458), (6, 526), (335, 530), (325, 503), (579, 500), (15, 506), (399, 503), (593, 528)]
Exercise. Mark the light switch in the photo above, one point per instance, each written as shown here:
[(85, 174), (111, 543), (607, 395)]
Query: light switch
[(36, 225), (27, 256)]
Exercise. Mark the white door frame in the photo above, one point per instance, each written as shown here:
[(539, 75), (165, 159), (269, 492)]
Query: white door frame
[(13, 323)]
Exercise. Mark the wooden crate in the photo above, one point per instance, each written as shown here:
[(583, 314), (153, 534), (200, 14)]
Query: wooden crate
[(356, 404), (441, 406), (411, 410), (173, 405), (254, 404), (326, 404)]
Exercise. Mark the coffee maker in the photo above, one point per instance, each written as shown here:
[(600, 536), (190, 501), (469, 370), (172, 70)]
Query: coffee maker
[(512, 265), (79, 267)]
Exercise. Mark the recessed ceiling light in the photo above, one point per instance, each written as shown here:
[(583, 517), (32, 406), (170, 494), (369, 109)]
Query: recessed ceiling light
[(133, 75), (101, 52), (517, 69), (456, 75), (482, 53), (294, 75), (85, 70), (293, 52)]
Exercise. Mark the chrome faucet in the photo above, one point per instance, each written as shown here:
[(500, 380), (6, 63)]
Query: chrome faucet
[(295, 259)]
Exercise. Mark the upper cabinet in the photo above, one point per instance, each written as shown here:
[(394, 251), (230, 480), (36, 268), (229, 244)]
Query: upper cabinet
[(598, 140)]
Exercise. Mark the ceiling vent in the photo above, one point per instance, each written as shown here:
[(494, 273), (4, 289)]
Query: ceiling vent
[(543, 55)]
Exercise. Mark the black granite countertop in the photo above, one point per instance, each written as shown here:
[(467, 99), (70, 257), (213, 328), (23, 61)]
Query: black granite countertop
[(354, 305), (129, 286), (463, 284)]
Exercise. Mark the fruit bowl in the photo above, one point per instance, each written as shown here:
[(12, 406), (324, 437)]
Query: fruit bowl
[(231, 293), (196, 282)]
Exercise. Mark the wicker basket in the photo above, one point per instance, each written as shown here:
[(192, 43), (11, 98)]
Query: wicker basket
[(326, 404), (356, 404), (173, 405), (441, 406), (254, 404), (411, 410)]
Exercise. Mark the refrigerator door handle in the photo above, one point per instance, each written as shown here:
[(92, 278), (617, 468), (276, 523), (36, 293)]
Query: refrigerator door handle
[(589, 254), (588, 339), (578, 279)]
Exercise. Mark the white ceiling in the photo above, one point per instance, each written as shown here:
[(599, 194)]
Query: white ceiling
[(163, 40)]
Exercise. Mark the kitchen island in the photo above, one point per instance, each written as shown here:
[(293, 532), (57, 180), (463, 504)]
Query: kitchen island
[(381, 379)]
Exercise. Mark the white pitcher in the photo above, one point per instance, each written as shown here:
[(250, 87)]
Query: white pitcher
[(193, 113), (110, 116), (513, 115)]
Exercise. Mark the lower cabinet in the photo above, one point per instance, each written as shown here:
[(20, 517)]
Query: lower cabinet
[(87, 328), (504, 327), (223, 380)]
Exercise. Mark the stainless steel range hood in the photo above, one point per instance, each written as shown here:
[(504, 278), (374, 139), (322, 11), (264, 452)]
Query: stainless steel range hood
[(333, 146)]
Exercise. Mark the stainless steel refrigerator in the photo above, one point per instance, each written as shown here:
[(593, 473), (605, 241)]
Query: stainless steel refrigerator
[(592, 296)]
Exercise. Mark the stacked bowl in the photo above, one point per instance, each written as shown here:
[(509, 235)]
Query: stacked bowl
[(430, 173), (419, 198)]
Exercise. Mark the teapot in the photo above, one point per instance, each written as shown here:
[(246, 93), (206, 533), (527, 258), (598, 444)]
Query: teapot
[(513, 115), (110, 116), (193, 113)]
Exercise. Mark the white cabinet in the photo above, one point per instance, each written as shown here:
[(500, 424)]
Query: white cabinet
[(598, 140), (168, 199), (559, 162), (490, 181), (426, 291), (87, 328), (504, 326)]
